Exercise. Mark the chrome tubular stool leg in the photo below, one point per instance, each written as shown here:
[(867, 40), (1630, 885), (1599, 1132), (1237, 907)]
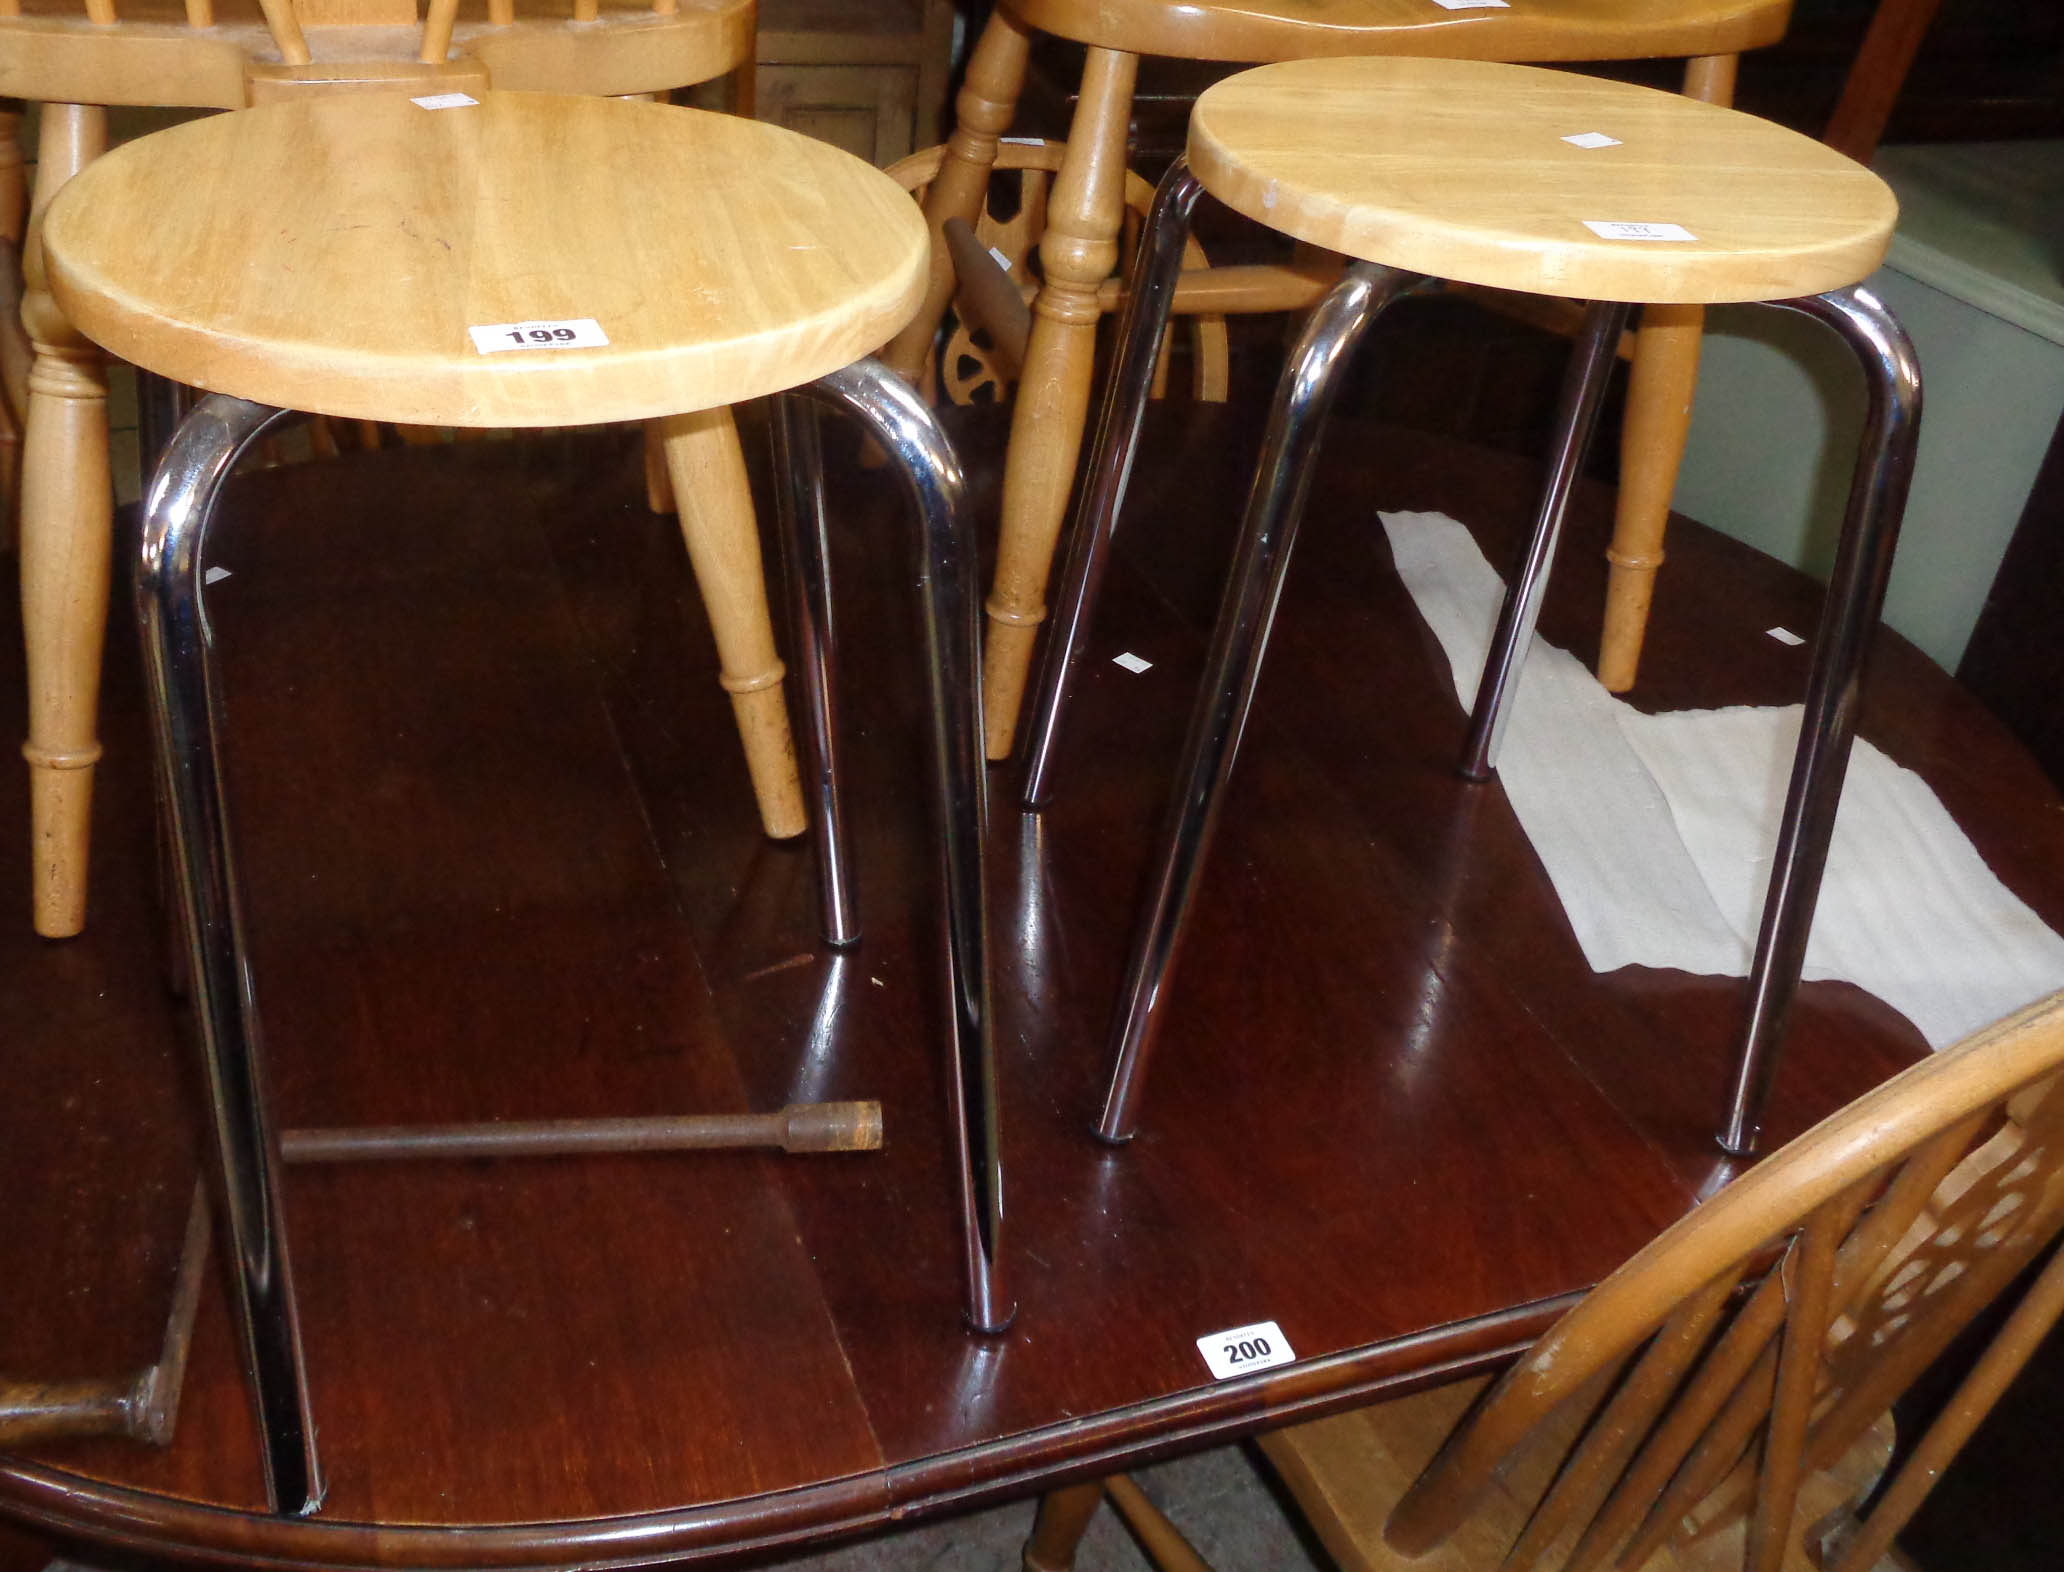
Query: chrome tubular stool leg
[(161, 404), (1856, 594), (806, 547), (1233, 666), (950, 602), (185, 709), (1576, 417), (1150, 292)]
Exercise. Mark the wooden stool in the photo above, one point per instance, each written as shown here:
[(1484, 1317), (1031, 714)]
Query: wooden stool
[(1466, 170), (78, 56), (1086, 206), (653, 264)]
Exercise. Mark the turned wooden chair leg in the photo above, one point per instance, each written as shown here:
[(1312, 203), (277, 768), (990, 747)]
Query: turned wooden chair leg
[(1660, 385), (1659, 392), (707, 470), (659, 485), (67, 519), (983, 110), (1063, 1518), (1078, 252)]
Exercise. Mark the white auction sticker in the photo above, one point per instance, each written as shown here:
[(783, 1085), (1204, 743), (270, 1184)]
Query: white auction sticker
[(1132, 663), (1245, 1348), (1589, 139), (573, 333), (1786, 636), (1618, 229), (445, 101), (1473, 5)]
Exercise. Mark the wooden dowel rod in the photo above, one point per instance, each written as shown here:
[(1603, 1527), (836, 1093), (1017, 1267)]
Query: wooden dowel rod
[(987, 296), (438, 22), (801, 1127), (1164, 1541), (285, 28), (33, 1411)]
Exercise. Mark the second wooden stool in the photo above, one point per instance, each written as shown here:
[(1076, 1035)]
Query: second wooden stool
[(1508, 177)]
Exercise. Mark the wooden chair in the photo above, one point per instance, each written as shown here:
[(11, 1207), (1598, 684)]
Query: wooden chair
[(1683, 1413), (1085, 210), (76, 57), (1532, 190), (529, 260)]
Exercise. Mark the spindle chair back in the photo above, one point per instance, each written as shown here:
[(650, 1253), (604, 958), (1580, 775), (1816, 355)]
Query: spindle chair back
[(1761, 1337), (1085, 212), (223, 54)]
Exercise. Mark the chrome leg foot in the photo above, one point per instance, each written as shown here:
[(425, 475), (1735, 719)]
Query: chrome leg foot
[(185, 720), (905, 429), (1576, 417), (1856, 595), (1150, 294), (806, 548), (1238, 643)]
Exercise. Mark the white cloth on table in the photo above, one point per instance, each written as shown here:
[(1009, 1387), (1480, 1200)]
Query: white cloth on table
[(1658, 830)]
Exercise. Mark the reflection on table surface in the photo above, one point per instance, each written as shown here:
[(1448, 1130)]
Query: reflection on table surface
[(503, 863)]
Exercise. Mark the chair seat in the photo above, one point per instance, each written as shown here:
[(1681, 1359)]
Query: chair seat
[(50, 51), (1249, 30), (1463, 170), (1346, 1472), (333, 254)]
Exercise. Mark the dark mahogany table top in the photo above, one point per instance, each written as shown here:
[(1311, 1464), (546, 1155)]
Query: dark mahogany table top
[(503, 863)]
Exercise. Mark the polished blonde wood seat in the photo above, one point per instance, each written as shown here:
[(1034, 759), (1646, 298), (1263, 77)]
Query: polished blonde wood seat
[(78, 56), (524, 259), (752, 261), (1085, 211), (1396, 162), (1684, 1413)]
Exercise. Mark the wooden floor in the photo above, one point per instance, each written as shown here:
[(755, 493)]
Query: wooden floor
[(502, 862)]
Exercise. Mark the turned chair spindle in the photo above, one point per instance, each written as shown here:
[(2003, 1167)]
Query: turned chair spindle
[(1085, 211)]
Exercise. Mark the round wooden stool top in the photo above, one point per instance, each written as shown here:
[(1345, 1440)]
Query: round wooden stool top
[(336, 255), (1520, 178), (1300, 29)]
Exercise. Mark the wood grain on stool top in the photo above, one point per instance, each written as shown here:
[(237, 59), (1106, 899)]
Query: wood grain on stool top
[(330, 255), (1459, 169), (1524, 30)]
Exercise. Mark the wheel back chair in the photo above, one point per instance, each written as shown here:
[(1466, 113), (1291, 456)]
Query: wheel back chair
[(1688, 1411), (1086, 206), (75, 58)]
